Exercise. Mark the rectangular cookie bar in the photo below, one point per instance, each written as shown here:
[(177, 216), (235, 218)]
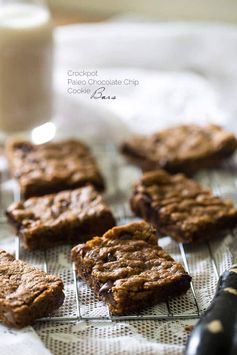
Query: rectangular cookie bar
[(185, 148), (128, 270), (180, 207), (26, 293), (52, 167), (65, 217)]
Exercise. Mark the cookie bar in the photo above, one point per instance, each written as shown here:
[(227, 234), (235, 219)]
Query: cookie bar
[(128, 270), (185, 148), (26, 293), (52, 167), (180, 207), (68, 216)]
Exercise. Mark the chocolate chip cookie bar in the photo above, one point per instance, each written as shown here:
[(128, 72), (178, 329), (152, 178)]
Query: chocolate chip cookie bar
[(185, 148), (65, 217), (52, 167), (180, 207), (26, 293), (128, 270)]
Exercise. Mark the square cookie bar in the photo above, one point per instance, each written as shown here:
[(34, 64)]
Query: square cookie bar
[(52, 167), (185, 148), (128, 270), (180, 207), (26, 293), (65, 217)]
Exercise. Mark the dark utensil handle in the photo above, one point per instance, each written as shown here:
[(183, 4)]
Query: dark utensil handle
[(216, 331)]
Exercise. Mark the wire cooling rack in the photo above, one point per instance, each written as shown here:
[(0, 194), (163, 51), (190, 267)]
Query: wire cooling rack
[(204, 262)]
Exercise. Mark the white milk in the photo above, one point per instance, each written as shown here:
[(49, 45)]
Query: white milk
[(25, 67)]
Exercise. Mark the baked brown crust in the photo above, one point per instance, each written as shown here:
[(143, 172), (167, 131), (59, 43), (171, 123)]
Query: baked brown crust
[(185, 148), (52, 167), (128, 270), (66, 217), (181, 208), (26, 293)]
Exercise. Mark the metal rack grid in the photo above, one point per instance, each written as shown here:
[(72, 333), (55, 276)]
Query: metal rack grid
[(122, 215)]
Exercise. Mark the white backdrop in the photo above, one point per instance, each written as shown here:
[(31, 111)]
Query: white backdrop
[(187, 72)]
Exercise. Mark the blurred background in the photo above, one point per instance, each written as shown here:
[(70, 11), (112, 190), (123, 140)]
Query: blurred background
[(69, 11), (182, 54)]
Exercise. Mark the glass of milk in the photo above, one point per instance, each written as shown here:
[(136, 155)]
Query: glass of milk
[(26, 58)]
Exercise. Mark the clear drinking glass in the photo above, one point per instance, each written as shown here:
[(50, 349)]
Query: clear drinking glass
[(26, 60)]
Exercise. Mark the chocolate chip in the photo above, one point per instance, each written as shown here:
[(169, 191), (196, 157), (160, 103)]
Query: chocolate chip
[(125, 236), (106, 288), (26, 148), (110, 257), (64, 203), (146, 198)]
